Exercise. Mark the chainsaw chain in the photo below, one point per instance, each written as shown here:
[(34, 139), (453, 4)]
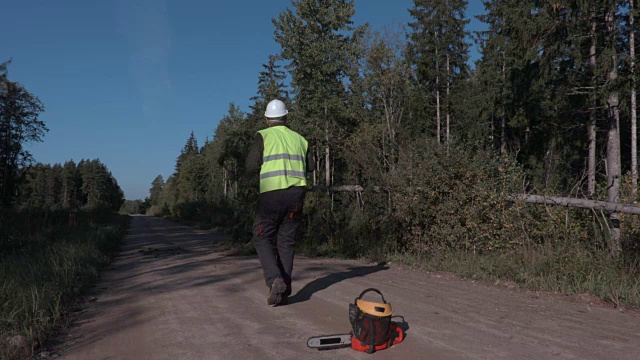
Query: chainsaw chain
[(334, 347)]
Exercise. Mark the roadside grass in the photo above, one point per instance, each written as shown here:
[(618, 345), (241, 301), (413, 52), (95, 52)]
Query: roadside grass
[(43, 276), (570, 256), (567, 271)]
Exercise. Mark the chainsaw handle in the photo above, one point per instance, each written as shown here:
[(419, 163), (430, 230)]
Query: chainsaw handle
[(369, 290)]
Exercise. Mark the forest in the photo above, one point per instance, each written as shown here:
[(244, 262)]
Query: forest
[(436, 153), (58, 226)]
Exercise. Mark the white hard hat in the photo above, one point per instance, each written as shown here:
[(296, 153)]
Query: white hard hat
[(276, 109)]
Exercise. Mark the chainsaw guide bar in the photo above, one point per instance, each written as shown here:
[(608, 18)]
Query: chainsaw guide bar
[(330, 342)]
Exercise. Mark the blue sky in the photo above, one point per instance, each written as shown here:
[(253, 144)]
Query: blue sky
[(126, 81)]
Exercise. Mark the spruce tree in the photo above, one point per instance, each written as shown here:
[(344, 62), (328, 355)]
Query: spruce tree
[(270, 86), (189, 173), (53, 187), (439, 52), (71, 184), (190, 149), (319, 41)]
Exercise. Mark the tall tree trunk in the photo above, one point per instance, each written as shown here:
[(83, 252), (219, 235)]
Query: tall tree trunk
[(233, 180), (634, 139), (327, 151), (613, 139), (333, 171), (327, 165), (224, 180), (437, 95), (448, 103), (437, 112), (503, 115), (316, 158), (65, 199), (492, 130), (385, 158), (591, 167)]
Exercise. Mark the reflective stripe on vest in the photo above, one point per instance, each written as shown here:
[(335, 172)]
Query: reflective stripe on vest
[(284, 159), (282, 156)]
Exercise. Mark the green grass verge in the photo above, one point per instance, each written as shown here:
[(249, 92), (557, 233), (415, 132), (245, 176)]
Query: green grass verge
[(571, 270), (558, 270), (40, 282)]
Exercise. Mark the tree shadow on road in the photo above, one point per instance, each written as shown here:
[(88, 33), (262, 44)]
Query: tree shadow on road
[(322, 283)]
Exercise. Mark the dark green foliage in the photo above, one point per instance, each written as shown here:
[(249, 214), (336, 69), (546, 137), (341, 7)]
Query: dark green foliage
[(19, 124), (270, 86), (210, 185), (57, 226), (319, 41), (133, 207), (87, 185), (368, 101), (156, 201), (438, 50), (55, 256)]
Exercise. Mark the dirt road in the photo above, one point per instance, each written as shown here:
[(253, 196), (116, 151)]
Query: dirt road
[(172, 294)]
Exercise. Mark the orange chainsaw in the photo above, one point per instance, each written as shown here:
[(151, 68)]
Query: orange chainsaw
[(371, 328)]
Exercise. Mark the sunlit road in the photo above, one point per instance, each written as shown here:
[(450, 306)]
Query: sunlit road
[(172, 294)]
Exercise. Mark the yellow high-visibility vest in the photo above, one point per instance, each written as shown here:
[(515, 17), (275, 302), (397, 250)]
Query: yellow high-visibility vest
[(284, 159)]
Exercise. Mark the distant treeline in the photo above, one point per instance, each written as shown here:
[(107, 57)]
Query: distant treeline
[(134, 207), (89, 184), (23, 184), (58, 228)]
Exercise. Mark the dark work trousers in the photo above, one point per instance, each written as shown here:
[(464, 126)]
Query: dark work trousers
[(278, 219)]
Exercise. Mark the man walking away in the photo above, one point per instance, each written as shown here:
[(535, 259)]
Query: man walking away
[(282, 158)]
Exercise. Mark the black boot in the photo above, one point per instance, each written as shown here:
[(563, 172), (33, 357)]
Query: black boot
[(278, 289)]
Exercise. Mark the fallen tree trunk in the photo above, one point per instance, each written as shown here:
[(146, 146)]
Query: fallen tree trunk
[(533, 199), (579, 203)]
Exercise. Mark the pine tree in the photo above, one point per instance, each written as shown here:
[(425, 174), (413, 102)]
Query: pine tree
[(439, 51), (523, 75), (19, 123), (71, 184), (34, 186), (226, 154), (95, 184), (320, 42), (114, 195), (379, 94), (494, 44), (170, 194), (634, 119), (155, 193), (53, 186)]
